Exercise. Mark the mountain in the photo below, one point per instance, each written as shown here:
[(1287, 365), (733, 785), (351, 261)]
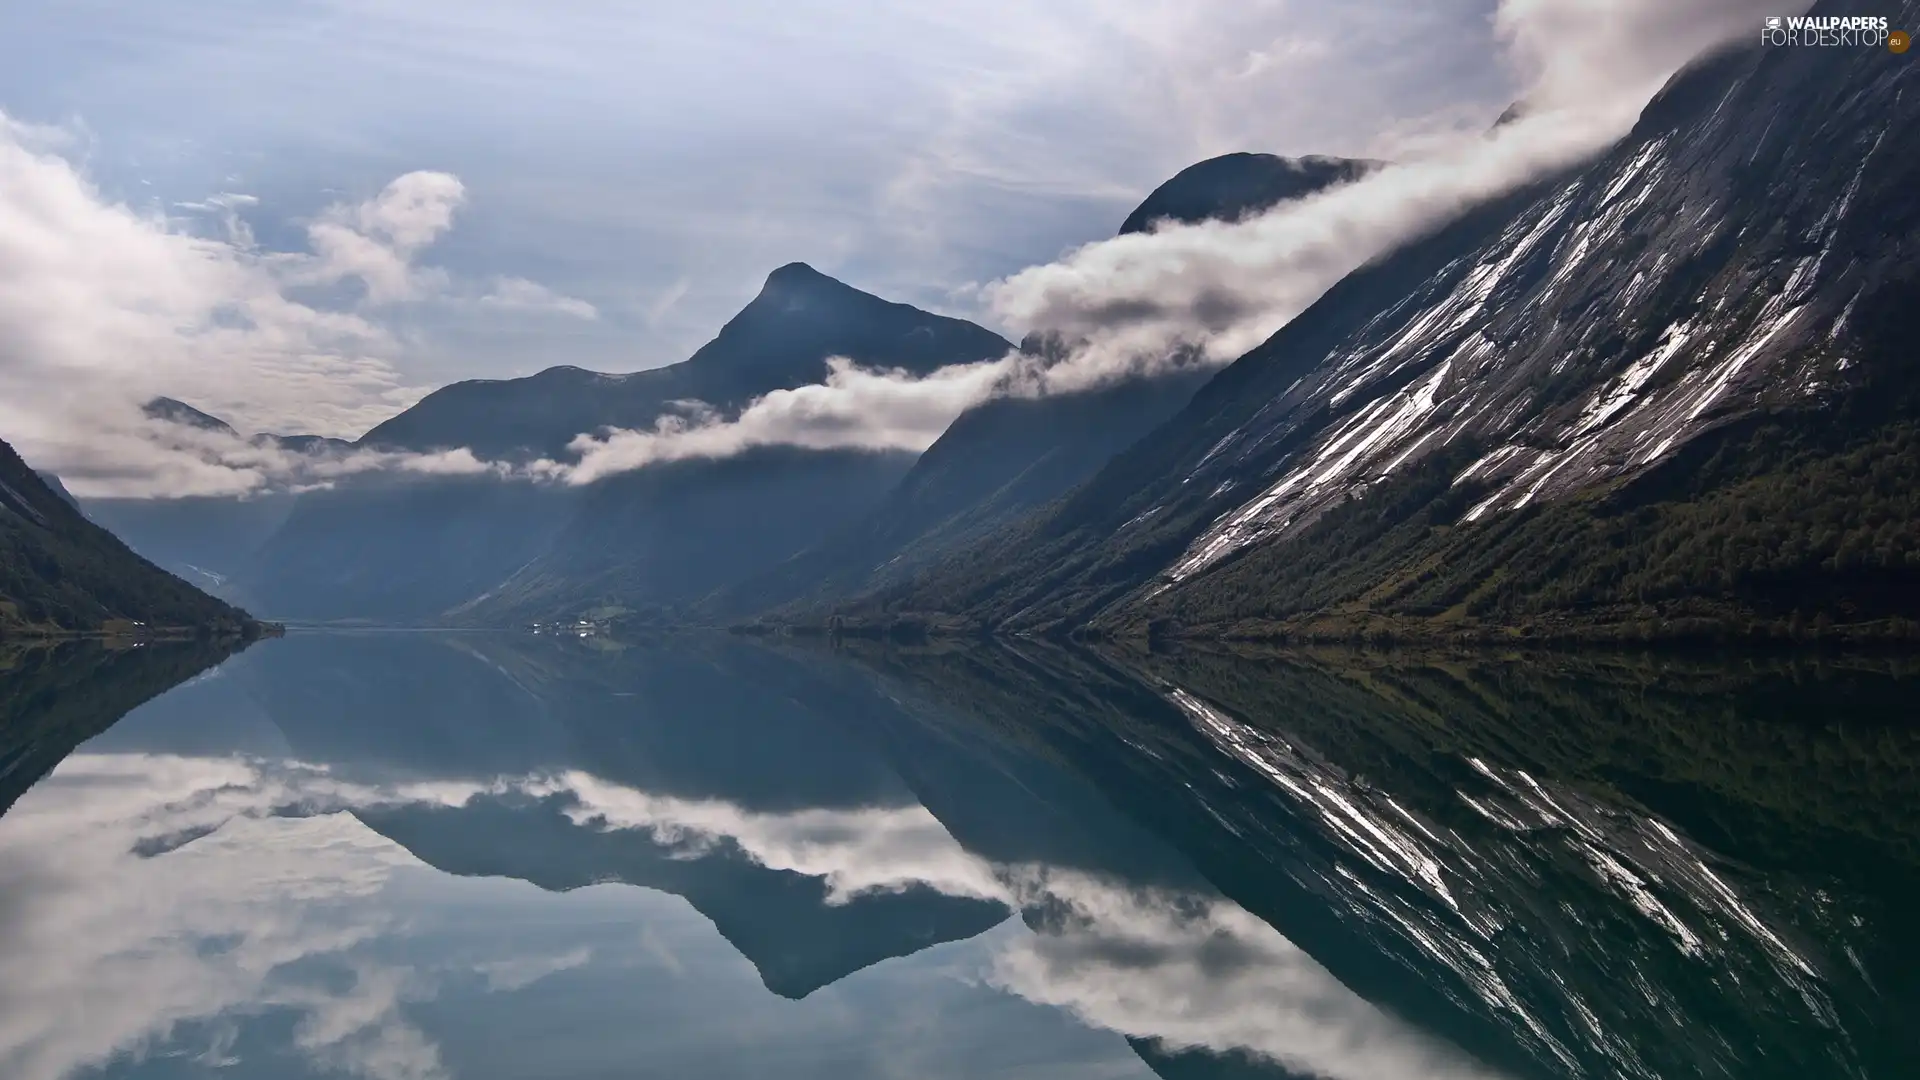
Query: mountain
[(412, 549), (649, 544), (54, 485), (205, 539), (686, 538), (179, 412), (1006, 457), (1235, 186), (399, 549), (998, 462), (780, 340), (1666, 394), (658, 539), (61, 573)]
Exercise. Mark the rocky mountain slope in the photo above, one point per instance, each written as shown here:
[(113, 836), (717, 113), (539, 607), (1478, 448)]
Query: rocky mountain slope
[(1007, 457), (62, 574), (1667, 393)]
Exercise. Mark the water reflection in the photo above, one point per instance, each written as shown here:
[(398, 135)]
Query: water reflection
[(398, 856)]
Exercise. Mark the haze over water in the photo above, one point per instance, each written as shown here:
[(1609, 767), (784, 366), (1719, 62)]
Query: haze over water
[(408, 856)]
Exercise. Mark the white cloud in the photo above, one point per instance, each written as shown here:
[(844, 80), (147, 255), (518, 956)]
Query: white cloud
[(855, 408), (147, 894), (104, 306), (376, 242), (1199, 973), (519, 294)]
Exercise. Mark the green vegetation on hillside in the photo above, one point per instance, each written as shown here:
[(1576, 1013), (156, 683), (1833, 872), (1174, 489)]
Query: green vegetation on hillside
[(62, 574)]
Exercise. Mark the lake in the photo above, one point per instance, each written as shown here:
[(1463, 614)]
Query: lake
[(409, 856)]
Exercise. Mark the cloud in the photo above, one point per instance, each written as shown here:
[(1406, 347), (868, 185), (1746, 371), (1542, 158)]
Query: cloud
[(150, 897), (375, 241), (855, 408), (518, 973), (519, 294), (1202, 973), (137, 456), (104, 306)]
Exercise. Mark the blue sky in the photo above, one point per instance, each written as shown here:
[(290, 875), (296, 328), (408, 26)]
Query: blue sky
[(656, 160)]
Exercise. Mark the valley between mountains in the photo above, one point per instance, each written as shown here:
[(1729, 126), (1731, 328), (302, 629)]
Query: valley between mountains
[(1671, 393)]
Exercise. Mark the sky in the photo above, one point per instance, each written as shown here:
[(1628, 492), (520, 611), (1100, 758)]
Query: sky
[(657, 161), (304, 214)]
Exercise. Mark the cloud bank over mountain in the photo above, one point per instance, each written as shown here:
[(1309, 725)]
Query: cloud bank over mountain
[(1203, 294)]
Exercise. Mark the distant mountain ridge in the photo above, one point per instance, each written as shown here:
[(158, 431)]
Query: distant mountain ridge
[(780, 340), (388, 548), (1235, 186), (179, 412)]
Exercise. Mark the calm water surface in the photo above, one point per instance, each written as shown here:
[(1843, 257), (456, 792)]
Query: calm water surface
[(412, 857)]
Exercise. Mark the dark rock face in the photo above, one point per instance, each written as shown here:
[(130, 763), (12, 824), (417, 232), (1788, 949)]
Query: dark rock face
[(1235, 186)]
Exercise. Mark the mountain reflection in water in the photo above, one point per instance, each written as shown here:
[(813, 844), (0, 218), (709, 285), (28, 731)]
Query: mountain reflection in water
[(407, 856)]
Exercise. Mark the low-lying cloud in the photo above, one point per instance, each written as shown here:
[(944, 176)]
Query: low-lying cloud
[(855, 408)]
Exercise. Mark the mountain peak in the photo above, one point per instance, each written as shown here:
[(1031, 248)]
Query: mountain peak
[(795, 282), (1237, 185), (179, 412), (797, 272)]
